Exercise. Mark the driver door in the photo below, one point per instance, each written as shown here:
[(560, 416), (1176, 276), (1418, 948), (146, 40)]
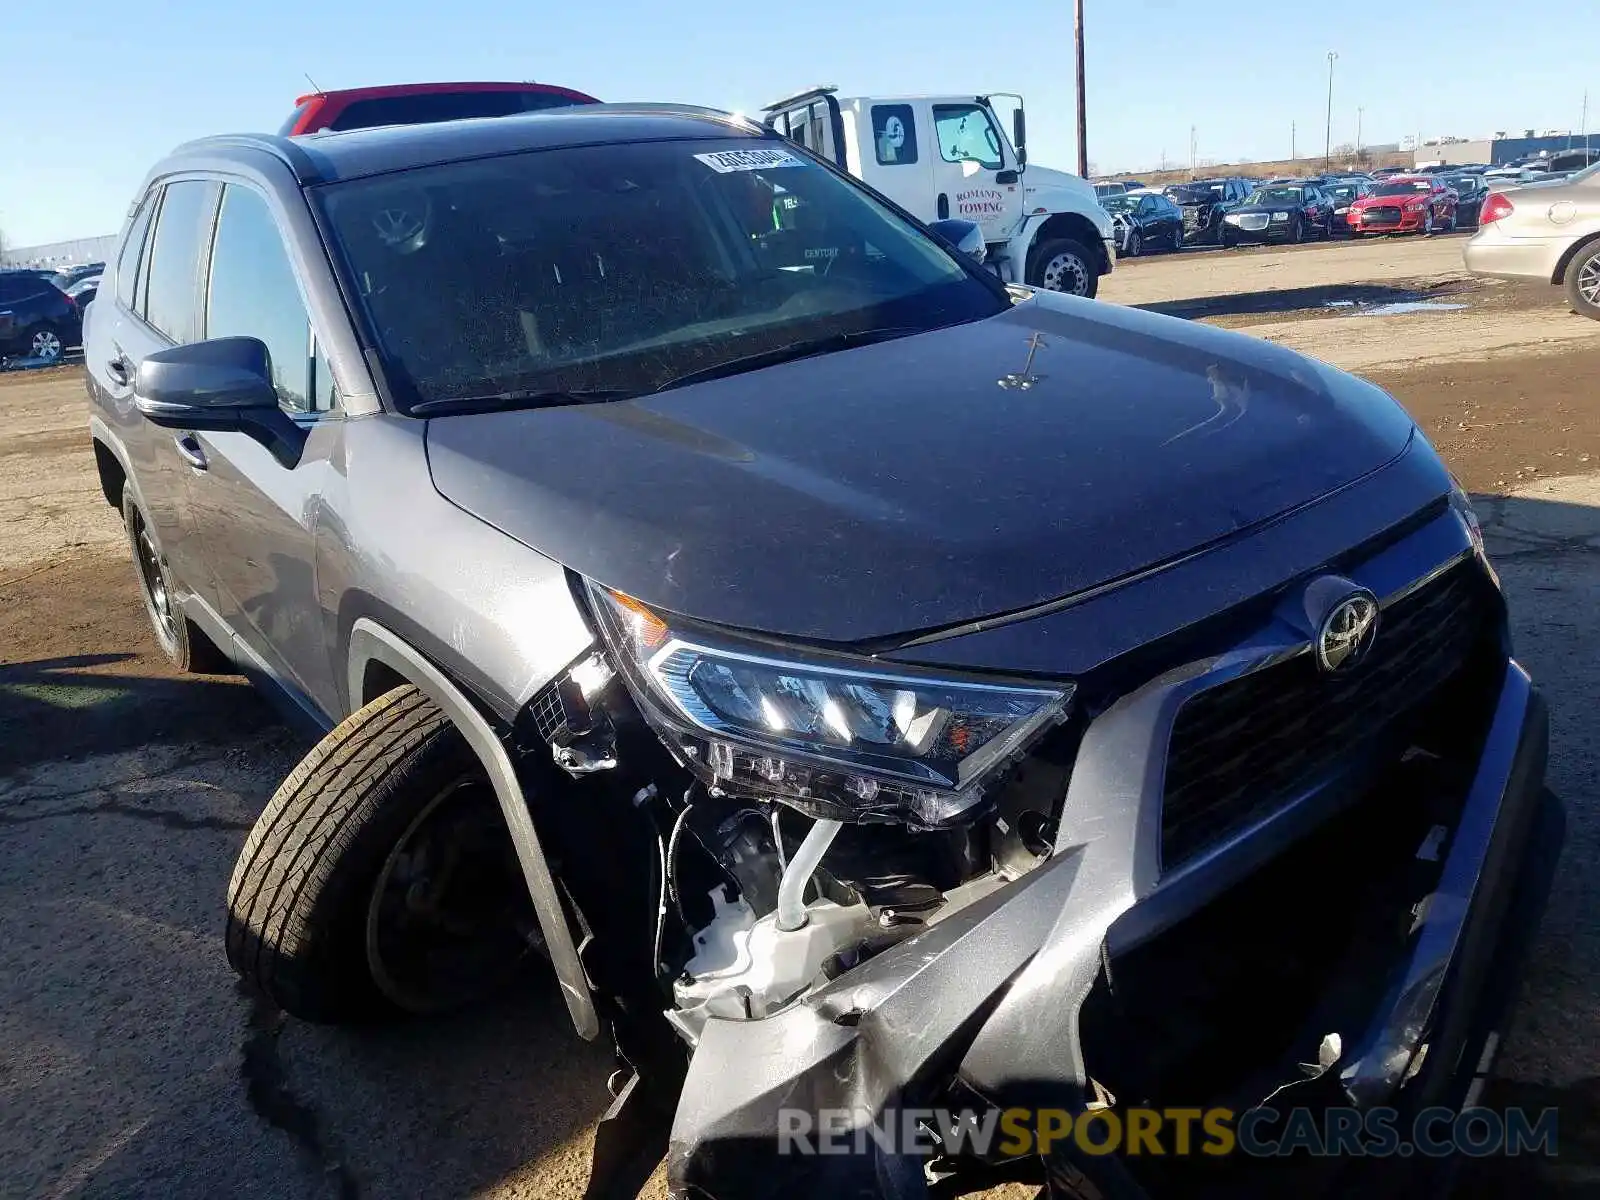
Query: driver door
[(975, 170)]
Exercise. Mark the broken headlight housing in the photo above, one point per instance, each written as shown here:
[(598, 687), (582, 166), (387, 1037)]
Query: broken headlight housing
[(829, 736)]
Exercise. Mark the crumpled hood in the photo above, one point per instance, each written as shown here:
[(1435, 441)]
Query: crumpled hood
[(929, 480)]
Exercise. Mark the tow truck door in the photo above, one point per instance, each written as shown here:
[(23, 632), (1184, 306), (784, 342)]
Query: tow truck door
[(975, 174)]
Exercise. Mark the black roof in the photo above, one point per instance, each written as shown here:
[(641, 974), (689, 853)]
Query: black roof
[(326, 157)]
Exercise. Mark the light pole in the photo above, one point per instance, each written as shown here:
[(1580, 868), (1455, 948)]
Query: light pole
[(1359, 112), (1083, 136), (1327, 141)]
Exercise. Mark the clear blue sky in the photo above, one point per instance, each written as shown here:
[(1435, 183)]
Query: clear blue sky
[(89, 113)]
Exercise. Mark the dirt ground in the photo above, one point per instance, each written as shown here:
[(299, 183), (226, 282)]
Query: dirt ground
[(130, 1065)]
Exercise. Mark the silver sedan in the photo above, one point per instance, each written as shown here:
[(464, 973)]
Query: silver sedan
[(1547, 231)]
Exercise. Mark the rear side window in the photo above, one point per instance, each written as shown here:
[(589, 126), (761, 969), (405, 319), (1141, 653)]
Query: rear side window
[(174, 266), (427, 107), (253, 293), (132, 252), (894, 134)]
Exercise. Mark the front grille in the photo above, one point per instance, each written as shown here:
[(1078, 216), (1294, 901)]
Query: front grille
[(1254, 221), (1195, 214), (1382, 216), (1244, 749)]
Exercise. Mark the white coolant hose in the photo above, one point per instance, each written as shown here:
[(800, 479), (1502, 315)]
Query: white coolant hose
[(792, 888)]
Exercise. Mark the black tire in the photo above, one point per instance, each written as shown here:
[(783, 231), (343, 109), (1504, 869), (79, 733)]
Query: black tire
[(1297, 230), (1427, 223), (1049, 253), (183, 642), (1177, 239), (1450, 226), (1583, 282), (1135, 244), (311, 890), (1226, 242)]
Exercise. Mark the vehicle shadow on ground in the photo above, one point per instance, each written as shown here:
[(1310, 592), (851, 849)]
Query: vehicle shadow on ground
[(66, 707), (1336, 298)]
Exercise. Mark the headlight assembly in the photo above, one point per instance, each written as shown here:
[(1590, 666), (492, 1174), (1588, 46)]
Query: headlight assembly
[(1280, 216), (832, 737)]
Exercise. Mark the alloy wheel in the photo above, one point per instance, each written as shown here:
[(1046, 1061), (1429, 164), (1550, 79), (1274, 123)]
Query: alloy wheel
[(1589, 281), (154, 582), (46, 344), (448, 918)]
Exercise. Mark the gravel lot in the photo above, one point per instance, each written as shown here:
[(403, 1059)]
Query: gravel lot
[(130, 1065)]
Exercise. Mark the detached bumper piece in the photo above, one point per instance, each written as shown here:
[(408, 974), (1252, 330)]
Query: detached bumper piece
[(1397, 927)]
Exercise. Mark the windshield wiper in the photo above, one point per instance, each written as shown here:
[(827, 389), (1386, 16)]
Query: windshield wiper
[(508, 401), (807, 348)]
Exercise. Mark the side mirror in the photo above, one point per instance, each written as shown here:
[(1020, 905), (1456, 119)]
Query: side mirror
[(964, 237), (220, 385), (1019, 133)]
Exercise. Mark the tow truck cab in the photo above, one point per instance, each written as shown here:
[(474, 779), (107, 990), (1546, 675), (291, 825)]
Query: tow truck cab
[(940, 157)]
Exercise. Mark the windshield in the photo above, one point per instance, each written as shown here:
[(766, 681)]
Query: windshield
[(619, 268), (1197, 191), (1269, 196), (1402, 187), (1122, 203), (1343, 192)]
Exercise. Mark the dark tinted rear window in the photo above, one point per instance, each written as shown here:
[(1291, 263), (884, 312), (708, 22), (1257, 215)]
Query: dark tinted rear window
[(427, 107)]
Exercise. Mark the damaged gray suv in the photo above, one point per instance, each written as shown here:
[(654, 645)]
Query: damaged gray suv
[(866, 686)]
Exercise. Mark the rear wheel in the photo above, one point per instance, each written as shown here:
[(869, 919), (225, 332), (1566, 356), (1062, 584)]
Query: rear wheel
[(46, 343), (1064, 265), (180, 639), (1583, 282), (1177, 238), (380, 879)]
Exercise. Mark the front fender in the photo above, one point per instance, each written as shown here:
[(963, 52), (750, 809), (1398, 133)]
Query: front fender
[(371, 643)]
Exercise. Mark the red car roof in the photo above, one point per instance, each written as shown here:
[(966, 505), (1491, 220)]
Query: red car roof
[(320, 110)]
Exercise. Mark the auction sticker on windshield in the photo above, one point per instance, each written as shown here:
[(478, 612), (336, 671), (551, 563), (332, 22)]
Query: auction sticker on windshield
[(724, 161)]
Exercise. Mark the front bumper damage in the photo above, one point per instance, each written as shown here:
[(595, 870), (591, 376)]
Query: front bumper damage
[(999, 1004)]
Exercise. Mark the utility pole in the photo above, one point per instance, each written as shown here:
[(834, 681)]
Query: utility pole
[(1083, 135), (1359, 111), (1327, 141), (1292, 154), (1191, 152), (1583, 122)]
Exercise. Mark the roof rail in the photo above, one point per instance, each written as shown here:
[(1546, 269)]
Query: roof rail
[(683, 110), (280, 148), (811, 93)]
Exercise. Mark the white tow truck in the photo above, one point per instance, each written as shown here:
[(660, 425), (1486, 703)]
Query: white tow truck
[(944, 157)]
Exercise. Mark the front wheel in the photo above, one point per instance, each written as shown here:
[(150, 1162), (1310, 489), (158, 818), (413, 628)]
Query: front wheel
[(1450, 224), (380, 879), (1583, 282), (1135, 244), (1297, 230), (1177, 239), (1427, 223), (1064, 265)]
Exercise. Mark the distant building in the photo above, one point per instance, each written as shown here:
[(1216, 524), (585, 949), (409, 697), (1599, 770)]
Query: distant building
[(60, 254), (1500, 150)]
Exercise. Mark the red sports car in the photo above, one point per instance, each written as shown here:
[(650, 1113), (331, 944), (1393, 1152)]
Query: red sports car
[(423, 103), (1404, 204)]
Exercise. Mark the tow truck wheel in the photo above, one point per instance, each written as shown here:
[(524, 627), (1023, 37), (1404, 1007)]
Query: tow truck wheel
[(380, 879), (1064, 265)]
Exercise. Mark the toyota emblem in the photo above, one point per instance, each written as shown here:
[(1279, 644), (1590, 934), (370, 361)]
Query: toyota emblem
[(1347, 632)]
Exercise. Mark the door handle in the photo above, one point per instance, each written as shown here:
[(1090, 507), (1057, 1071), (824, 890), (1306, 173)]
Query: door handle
[(189, 450), (117, 368)]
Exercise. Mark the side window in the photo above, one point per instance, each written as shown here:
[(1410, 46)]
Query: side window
[(253, 293), (894, 134), (133, 252), (966, 134), (186, 210)]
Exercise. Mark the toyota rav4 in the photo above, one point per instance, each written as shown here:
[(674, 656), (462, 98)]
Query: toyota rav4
[(868, 686)]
